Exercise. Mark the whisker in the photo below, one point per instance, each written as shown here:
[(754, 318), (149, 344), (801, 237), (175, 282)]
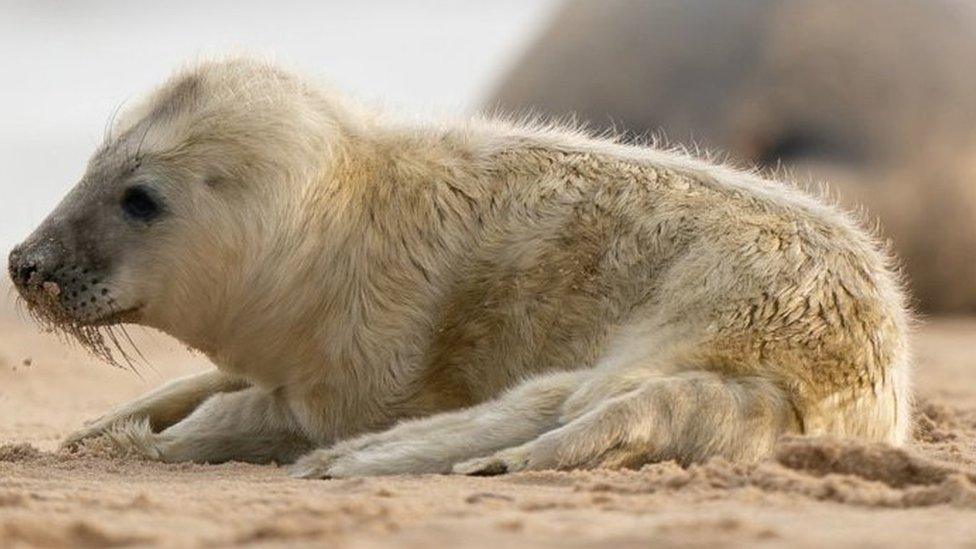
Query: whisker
[(110, 123), (118, 346), (149, 126), (102, 342), (135, 347)]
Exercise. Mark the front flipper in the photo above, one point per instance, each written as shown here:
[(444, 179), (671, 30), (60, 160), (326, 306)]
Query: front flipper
[(252, 425), (162, 407)]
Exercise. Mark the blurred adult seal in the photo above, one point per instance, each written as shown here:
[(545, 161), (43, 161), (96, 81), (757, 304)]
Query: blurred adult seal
[(471, 297)]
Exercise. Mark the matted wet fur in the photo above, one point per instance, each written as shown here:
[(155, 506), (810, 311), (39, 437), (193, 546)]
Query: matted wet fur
[(476, 296)]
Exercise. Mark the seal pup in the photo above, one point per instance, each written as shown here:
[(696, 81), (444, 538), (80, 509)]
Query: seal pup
[(476, 297)]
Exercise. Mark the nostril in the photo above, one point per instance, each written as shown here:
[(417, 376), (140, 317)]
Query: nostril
[(24, 273), (21, 269)]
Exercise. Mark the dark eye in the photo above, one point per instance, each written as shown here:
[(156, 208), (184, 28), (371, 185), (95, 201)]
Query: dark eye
[(138, 203)]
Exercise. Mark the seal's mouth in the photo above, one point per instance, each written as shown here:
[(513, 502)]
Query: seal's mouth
[(76, 297), (130, 315)]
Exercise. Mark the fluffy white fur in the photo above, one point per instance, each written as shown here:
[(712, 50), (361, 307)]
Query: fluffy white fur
[(482, 296)]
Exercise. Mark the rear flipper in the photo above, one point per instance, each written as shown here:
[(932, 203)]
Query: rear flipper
[(434, 444), (686, 417)]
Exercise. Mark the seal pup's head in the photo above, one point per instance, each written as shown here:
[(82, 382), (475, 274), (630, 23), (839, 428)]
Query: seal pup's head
[(193, 193)]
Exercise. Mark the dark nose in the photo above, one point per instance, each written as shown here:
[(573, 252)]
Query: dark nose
[(29, 267), (20, 270)]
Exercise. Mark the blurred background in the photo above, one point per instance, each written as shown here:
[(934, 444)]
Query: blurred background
[(875, 97)]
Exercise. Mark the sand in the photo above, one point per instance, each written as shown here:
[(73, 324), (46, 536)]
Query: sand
[(811, 493)]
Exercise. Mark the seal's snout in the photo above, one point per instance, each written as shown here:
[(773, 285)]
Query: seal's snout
[(31, 266), (14, 266), (19, 269)]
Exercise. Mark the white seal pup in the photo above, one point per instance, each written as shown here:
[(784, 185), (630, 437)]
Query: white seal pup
[(478, 297)]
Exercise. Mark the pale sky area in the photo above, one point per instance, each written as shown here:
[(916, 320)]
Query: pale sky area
[(66, 66)]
